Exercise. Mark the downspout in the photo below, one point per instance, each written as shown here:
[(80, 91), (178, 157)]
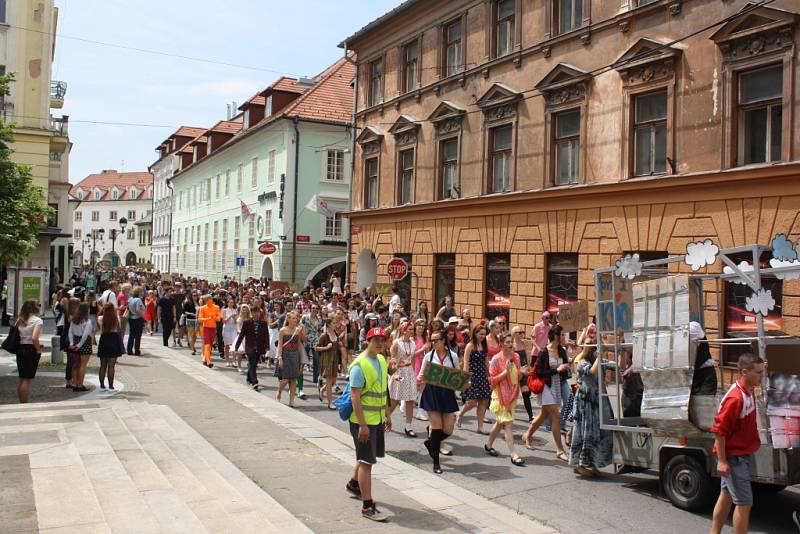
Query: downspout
[(352, 169), (295, 120), (169, 232)]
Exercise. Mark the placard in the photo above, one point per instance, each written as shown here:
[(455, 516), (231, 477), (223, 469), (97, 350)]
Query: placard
[(573, 317), (275, 284), (380, 289), (446, 377)]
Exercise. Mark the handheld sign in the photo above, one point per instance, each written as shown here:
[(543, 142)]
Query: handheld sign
[(446, 377), (573, 317)]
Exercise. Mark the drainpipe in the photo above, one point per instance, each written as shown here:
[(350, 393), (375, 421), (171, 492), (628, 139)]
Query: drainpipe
[(295, 120), (169, 232), (352, 170)]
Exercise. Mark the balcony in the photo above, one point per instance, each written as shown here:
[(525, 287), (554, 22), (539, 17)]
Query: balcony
[(57, 92), (60, 127)]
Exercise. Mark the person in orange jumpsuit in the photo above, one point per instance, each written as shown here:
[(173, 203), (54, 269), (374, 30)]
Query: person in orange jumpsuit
[(208, 315)]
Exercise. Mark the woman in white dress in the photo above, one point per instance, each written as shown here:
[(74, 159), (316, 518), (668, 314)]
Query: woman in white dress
[(402, 384), (229, 333)]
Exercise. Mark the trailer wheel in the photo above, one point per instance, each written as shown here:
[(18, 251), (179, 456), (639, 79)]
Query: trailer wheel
[(686, 483)]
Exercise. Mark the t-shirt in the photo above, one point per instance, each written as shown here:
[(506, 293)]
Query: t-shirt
[(136, 307), (167, 313), (178, 299), (540, 332), (26, 331), (357, 379), (108, 296)]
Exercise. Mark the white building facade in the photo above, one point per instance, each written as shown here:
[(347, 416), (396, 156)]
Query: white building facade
[(107, 206)]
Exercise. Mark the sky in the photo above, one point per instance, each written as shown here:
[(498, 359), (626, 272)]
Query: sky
[(113, 85)]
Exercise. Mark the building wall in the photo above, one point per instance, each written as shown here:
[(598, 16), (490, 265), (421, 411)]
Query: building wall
[(163, 169), (122, 245)]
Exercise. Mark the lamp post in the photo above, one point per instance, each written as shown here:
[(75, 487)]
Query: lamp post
[(123, 222), (93, 237), (83, 258)]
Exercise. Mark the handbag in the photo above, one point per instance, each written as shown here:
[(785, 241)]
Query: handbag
[(535, 383), (12, 341), (127, 313)]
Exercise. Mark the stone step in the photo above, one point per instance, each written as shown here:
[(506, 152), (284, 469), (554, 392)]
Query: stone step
[(218, 504)]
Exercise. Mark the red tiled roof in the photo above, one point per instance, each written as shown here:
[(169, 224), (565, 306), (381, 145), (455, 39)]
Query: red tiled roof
[(109, 178), (331, 98), (257, 100), (182, 131), (197, 140), (285, 83), (230, 127)]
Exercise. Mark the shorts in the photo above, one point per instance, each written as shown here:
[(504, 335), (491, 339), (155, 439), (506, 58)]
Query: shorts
[(369, 452), (27, 361), (737, 485)]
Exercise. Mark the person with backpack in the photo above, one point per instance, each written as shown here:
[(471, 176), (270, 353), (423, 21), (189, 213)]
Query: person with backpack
[(369, 393), (109, 296)]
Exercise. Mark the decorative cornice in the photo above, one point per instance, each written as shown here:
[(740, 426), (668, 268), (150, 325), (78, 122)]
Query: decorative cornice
[(572, 93), (658, 70), (758, 43)]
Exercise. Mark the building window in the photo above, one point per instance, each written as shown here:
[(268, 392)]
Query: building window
[(453, 64), (271, 167), (650, 134), (504, 27), (569, 15), (236, 226), (115, 195), (760, 115), (76, 235), (371, 183), (131, 215), (567, 141), (97, 195), (334, 171), (131, 234), (208, 189), (3, 17), (268, 106), (78, 216), (112, 215), (445, 278), (404, 285), (410, 66), (224, 230), (375, 86), (218, 186), (227, 182), (95, 216), (405, 179), (254, 173), (268, 223), (562, 280), (501, 148), (498, 286), (333, 226), (448, 168), (239, 177)]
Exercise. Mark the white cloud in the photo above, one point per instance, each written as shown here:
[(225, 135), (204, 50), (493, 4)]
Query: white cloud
[(760, 302), (629, 266), (701, 254), (789, 275), (743, 266), (783, 249)]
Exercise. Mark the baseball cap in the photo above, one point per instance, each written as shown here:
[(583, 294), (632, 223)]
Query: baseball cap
[(376, 332), (452, 320)]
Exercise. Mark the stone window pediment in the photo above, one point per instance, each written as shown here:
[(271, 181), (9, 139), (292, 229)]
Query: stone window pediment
[(565, 84), (761, 31), (645, 61), (405, 130), (499, 102), (447, 118), (370, 140)]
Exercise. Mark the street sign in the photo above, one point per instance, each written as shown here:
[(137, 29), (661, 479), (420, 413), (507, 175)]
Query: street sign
[(267, 248), (239, 261), (303, 238), (355, 229), (397, 269)]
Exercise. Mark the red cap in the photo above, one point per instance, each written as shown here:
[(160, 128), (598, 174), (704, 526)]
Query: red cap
[(376, 332)]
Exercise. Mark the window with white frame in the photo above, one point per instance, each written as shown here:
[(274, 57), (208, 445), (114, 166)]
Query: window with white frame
[(208, 189), (114, 194), (251, 229), (236, 226), (217, 186), (271, 167), (224, 230), (505, 11), (132, 234), (227, 182), (76, 235), (112, 215), (254, 173), (95, 216), (239, 171), (335, 165), (760, 115), (333, 226), (131, 215), (78, 216), (97, 195), (268, 223), (268, 106)]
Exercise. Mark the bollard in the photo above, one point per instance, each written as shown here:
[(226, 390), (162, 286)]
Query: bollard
[(56, 356)]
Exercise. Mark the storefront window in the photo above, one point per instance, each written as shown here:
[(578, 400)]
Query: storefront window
[(741, 323), (498, 286), (562, 280), (445, 278)]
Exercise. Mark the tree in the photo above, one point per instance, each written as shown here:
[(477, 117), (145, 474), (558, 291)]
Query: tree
[(23, 207)]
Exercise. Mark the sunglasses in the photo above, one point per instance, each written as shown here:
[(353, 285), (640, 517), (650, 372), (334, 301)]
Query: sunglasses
[(438, 339)]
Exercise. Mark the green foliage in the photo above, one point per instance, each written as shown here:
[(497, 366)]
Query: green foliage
[(23, 206)]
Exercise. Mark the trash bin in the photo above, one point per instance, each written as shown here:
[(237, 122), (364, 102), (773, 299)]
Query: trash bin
[(56, 356)]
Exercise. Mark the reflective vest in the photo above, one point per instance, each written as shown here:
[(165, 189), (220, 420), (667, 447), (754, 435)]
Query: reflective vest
[(373, 394)]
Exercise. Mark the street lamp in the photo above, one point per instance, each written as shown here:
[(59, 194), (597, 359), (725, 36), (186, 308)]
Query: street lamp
[(93, 237), (123, 222)]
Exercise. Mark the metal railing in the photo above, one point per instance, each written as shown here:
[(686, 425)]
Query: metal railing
[(58, 89)]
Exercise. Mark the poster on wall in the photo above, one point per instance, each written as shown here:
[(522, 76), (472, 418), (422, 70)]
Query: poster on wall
[(783, 410)]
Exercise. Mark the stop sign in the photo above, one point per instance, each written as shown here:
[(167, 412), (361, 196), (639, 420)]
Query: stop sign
[(266, 248), (397, 269)]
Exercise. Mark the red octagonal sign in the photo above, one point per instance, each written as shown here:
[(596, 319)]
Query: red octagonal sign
[(397, 269), (266, 248)]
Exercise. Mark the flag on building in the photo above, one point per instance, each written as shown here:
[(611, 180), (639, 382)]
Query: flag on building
[(245, 211), (320, 206)]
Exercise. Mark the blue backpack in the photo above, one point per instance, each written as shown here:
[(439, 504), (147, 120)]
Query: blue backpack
[(344, 404)]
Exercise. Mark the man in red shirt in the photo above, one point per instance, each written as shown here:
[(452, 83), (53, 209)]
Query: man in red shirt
[(735, 443)]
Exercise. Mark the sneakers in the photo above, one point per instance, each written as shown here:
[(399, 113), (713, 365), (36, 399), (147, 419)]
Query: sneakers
[(353, 488), (301, 395), (254, 387), (373, 514)]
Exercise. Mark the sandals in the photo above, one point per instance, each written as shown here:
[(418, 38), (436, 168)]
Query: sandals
[(517, 461), (490, 451), (526, 440), (582, 471), (561, 455)]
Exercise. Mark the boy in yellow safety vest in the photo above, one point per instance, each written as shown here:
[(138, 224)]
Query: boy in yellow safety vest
[(369, 380)]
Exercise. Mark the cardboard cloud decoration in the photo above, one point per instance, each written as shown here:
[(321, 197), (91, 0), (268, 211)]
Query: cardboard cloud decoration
[(760, 302), (743, 266), (783, 248), (629, 266), (789, 275), (701, 254)]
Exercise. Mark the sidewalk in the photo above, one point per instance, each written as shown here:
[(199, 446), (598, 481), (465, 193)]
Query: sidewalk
[(301, 462)]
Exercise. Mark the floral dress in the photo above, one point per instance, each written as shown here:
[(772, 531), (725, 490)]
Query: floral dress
[(591, 447), (402, 384)]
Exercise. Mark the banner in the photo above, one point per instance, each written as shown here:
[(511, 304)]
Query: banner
[(320, 206), (380, 289), (573, 317), (446, 377)]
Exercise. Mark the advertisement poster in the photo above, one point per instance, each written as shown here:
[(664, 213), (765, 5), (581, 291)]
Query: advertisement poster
[(31, 288), (783, 410)]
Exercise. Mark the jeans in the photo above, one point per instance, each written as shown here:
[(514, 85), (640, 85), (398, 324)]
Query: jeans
[(314, 363), (135, 335), (252, 365), (220, 342)]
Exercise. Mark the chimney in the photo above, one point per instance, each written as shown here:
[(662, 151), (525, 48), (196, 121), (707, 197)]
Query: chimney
[(306, 81), (108, 171), (228, 112)]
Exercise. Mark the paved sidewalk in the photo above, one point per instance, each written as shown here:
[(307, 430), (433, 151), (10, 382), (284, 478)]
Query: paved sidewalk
[(303, 463)]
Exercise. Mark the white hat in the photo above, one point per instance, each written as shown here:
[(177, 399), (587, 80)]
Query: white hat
[(452, 320), (696, 331)]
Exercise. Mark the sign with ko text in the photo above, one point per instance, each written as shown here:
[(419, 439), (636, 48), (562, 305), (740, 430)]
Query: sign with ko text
[(446, 377)]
